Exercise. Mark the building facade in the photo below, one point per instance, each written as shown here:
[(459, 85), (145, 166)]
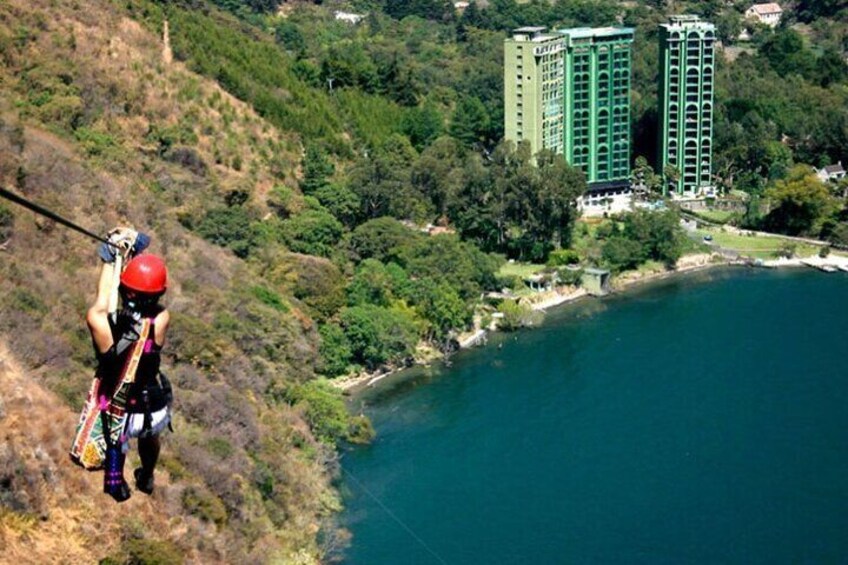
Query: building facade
[(767, 13), (597, 104), (687, 79), (533, 89), (569, 91)]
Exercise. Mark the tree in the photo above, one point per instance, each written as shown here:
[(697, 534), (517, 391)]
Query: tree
[(621, 254), (470, 121), (644, 175), (230, 227), (437, 10), (672, 177), (382, 180), (560, 186), (831, 68), (314, 232), (422, 125), (317, 169), (440, 304), (799, 203), (334, 350), (446, 258), (437, 174), (323, 408), (787, 54), (288, 35), (659, 234), (372, 284), (381, 239), (379, 335)]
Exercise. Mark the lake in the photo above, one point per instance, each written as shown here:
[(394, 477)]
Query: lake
[(698, 420)]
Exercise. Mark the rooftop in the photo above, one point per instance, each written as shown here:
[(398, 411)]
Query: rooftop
[(767, 8), (529, 29), (584, 32), (687, 21)]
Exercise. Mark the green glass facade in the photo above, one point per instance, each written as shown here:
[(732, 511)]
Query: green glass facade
[(597, 103), (686, 75), (569, 91)]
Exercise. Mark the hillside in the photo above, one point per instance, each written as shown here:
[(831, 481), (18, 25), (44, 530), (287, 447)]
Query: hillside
[(329, 197), (101, 126)]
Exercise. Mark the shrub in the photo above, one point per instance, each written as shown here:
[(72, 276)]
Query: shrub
[(360, 430), (94, 142), (335, 350), (560, 257), (380, 238), (314, 232), (824, 251), (787, 250), (28, 302), (516, 315), (229, 227), (621, 253), (379, 335), (270, 298), (570, 277), (323, 408), (204, 505), (316, 281)]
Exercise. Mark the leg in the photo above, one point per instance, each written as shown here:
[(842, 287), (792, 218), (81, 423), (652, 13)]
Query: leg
[(148, 451)]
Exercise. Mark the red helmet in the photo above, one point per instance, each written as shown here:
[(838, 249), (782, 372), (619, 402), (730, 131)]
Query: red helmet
[(146, 273)]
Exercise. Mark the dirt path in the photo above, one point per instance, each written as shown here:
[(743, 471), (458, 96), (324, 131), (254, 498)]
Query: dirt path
[(167, 53)]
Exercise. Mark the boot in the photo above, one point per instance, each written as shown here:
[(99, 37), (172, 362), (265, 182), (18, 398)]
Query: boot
[(113, 475), (143, 481)]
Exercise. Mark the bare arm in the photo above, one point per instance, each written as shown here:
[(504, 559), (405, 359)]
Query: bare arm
[(98, 315), (161, 324)]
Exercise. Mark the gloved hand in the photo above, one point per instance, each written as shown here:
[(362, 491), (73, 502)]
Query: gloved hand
[(124, 240)]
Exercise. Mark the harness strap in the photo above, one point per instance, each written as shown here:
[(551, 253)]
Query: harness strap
[(127, 378)]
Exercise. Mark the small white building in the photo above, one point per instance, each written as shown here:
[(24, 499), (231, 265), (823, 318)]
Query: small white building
[(831, 173), (596, 203), (348, 17), (768, 13)]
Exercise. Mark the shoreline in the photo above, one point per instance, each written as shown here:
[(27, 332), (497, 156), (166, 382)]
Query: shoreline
[(630, 280), (352, 384)]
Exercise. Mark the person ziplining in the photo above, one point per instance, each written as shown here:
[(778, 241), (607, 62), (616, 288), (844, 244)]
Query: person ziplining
[(129, 397)]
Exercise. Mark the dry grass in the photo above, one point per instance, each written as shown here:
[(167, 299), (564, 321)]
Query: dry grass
[(47, 276), (73, 521)]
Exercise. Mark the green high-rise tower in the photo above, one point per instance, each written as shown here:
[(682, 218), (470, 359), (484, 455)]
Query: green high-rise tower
[(569, 91), (597, 104), (687, 78), (533, 89)]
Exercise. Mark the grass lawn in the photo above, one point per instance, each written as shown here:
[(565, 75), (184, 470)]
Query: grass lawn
[(717, 216), (761, 247), (520, 269)]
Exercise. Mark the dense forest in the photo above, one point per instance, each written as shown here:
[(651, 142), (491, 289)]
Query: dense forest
[(332, 195), (401, 117)]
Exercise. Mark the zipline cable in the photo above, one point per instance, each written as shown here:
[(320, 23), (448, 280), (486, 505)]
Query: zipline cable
[(394, 517), (48, 214)]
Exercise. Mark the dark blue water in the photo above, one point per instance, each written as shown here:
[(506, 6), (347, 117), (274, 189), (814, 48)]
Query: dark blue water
[(704, 420)]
